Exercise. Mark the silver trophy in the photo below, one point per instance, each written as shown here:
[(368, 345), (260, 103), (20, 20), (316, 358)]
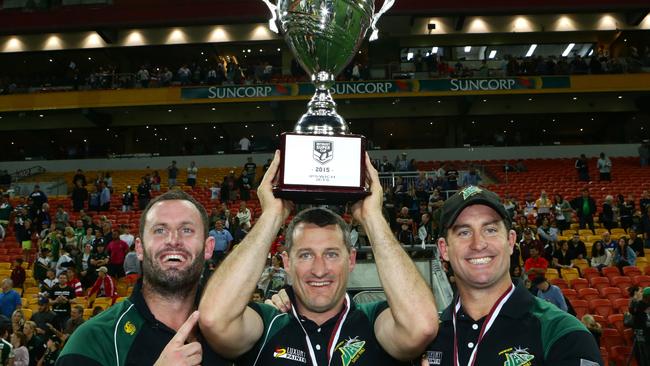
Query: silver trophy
[(324, 36)]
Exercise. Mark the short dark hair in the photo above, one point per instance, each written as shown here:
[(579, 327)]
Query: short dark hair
[(321, 217), (174, 195)]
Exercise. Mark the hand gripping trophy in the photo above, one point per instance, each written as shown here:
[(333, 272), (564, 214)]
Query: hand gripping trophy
[(321, 160)]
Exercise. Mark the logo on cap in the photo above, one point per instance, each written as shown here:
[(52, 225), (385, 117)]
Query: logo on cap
[(470, 191)]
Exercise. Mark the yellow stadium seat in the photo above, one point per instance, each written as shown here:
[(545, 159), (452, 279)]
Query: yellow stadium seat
[(5, 265), (642, 262), (569, 274), (600, 231), (618, 231), (28, 313), (585, 232), (551, 274), (580, 264)]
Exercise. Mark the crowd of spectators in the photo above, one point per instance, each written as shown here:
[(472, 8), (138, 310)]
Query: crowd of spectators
[(228, 70)]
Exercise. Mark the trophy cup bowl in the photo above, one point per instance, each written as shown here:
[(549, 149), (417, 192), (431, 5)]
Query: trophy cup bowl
[(321, 161)]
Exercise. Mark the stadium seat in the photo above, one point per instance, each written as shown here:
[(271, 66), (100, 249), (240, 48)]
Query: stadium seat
[(581, 264), (559, 282), (551, 273), (590, 272), (632, 271), (646, 271), (601, 320), (622, 282), (599, 282), (642, 263), (570, 294), (620, 354), (611, 338), (610, 272), (579, 283), (602, 307), (581, 308), (588, 293), (628, 336), (605, 356), (611, 293), (616, 321), (621, 305), (569, 273), (642, 281)]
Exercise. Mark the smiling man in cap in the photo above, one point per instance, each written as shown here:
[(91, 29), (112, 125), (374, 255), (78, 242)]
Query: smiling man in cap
[(492, 322)]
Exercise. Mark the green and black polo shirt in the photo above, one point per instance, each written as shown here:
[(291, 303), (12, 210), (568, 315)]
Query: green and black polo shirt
[(527, 332), (285, 338), (127, 333)]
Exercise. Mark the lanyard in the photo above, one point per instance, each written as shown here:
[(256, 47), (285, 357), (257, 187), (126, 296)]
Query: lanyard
[(334, 337), (487, 324)]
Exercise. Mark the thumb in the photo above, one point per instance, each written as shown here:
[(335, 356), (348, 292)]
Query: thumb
[(185, 329)]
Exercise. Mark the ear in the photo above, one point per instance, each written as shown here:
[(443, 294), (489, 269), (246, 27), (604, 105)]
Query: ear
[(442, 246), (285, 260), (208, 247), (139, 250), (512, 238), (353, 259)]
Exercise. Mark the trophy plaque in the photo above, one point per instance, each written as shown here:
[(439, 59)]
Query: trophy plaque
[(322, 162)]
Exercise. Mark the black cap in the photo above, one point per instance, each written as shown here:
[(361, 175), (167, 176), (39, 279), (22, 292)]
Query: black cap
[(466, 197), (537, 280)]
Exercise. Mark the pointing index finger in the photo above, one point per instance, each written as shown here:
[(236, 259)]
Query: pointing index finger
[(186, 329)]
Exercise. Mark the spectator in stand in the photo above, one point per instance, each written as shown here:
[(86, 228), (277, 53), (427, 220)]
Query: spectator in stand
[(451, 176), (79, 196), (33, 342), (60, 296), (20, 352), (144, 193), (405, 235), (126, 236), (536, 265), (543, 206), (192, 172), (626, 210), (563, 212), (42, 264), (585, 208), (76, 319), (104, 197), (117, 250), (578, 247), (528, 242), (608, 242), (639, 305), (215, 190), (563, 256), (593, 326), (79, 176), (636, 243), (550, 293), (623, 254), (172, 174), (184, 75), (244, 144), (143, 77), (472, 178), (401, 164), (132, 269), (9, 298), (166, 77), (155, 181), (245, 186), (244, 214), (5, 210), (73, 280), (520, 166), (97, 259), (250, 168), (104, 286), (273, 278), (385, 166), (127, 199), (38, 198), (600, 257), (54, 345), (604, 166), (222, 241), (43, 316), (582, 167), (607, 214), (644, 153), (18, 274), (64, 258)]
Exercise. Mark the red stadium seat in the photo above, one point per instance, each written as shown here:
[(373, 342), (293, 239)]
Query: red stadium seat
[(611, 338), (559, 282), (601, 320), (628, 336), (616, 321), (620, 354), (579, 283), (602, 307), (581, 308), (590, 272), (605, 355), (622, 282), (610, 272), (642, 281), (632, 271), (621, 305), (599, 282), (611, 293), (570, 294), (588, 294)]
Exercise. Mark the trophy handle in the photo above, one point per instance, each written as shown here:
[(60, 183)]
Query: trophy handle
[(274, 13), (384, 8)]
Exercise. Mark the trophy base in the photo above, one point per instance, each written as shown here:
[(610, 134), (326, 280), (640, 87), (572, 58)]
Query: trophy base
[(322, 169)]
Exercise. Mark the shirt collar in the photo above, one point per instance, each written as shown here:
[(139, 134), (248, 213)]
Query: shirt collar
[(516, 307)]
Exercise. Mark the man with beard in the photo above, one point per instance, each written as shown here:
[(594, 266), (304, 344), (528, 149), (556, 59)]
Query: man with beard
[(156, 324)]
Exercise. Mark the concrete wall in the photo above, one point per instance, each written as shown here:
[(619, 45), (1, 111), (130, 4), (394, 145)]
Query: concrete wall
[(470, 153)]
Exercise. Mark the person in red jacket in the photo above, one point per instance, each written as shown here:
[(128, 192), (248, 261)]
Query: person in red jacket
[(104, 285), (117, 250), (18, 273)]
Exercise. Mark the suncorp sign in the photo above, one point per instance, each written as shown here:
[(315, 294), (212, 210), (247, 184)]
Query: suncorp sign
[(482, 84)]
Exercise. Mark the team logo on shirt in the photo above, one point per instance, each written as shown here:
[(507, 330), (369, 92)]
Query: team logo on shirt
[(129, 328), (516, 356), (351, 350), (434, 357), (290, 354), (323, 151)]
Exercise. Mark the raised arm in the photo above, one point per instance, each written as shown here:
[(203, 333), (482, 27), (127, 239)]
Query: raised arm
[(411, 322), (229, 325)]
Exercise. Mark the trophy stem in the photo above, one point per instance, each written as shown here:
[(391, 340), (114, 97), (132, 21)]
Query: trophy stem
[(321, 117)]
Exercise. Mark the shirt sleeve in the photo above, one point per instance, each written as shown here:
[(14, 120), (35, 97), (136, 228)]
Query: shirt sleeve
[(573, 347)]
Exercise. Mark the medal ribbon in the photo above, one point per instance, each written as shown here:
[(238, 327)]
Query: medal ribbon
[(487, 324), (334, 337)]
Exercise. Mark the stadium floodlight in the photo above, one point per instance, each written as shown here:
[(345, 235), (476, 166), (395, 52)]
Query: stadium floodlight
[(568, 49), (531, 50)]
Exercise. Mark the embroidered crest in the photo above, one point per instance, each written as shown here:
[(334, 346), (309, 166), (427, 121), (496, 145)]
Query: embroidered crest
[(129, 328), (517, 357), (323, 151), (351, 350), (470, 191)]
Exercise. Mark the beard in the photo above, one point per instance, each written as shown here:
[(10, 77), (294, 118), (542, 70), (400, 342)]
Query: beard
[(171, 283)]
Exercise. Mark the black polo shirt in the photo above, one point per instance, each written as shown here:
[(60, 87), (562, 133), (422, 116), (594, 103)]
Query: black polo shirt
[(528, 331), (284, 341)]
